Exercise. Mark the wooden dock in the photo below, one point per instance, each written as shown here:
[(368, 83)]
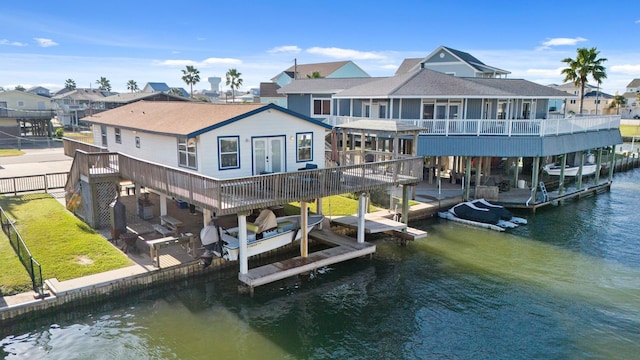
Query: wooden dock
[(374, 223), (344, 248)]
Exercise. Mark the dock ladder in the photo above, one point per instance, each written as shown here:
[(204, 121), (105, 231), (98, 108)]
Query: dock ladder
[(543, 190)]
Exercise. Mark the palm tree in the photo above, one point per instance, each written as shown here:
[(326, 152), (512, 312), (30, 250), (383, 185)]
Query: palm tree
[(585, 64), (104, 84), (70, 84), (233, 80), (618, 101), (314, 75), (132, 85), (191, 76), (175, 91)]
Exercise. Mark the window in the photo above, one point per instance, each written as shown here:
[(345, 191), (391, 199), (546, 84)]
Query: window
[(427, 111), (187, 153), (118, 136), (229, 152), (304, 146), (138, 142), (103, 134), (321, 106), (572, 102), (20, 103)]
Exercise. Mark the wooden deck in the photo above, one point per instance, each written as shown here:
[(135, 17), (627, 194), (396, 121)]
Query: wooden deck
[(344, 249), (374, 223)]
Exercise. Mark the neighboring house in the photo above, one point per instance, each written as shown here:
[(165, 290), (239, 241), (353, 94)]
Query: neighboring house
[(482, 114), (117, 100), (452, 62), (217, 140), (595, 101), (313, 97), (39, 90), (632, 107), (328, 70), (152, 87), (269, 94), (72, 105), (24, 114)]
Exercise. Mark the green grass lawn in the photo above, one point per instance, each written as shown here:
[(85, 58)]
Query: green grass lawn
[(13, 276), (630, 130), (10, 152), (66, 247), (331, 206)]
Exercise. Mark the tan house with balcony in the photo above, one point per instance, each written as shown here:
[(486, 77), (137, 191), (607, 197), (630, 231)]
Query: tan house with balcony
[(24, 114)]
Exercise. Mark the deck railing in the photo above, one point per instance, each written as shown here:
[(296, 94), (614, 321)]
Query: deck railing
[(226, 196), (71, 145), (507, 127), (30, 183)]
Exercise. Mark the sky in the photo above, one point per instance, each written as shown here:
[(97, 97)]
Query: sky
[(43, 44)]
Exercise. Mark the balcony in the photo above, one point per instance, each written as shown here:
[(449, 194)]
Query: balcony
[(557, 125), (26, 114)]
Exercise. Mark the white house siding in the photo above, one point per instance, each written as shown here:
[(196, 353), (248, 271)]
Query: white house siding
[(156, 148), (266, 123)]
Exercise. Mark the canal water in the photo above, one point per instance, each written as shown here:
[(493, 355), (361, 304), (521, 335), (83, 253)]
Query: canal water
[(566, 286)]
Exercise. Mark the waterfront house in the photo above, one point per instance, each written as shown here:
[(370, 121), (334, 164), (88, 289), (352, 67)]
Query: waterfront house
[(479, 115), (24, 114), (152, 87), (632, 108), (217, 140)]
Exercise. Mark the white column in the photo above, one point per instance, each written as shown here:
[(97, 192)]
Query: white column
[(304, 220), (362, 204), (242, 239), (163, 204), (319, 210)]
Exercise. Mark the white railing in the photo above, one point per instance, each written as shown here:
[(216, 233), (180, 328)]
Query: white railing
[(514, 127)]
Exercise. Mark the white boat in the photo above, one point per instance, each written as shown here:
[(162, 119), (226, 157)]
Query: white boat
[(554, 169), (286, 232)]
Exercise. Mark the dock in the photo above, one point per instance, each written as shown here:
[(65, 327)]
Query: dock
[(377, 223), (343, 248)]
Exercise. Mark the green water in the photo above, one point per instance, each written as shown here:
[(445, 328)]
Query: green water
[(566, 286)]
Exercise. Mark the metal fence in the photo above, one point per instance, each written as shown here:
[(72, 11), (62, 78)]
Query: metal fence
[(33, 183), (33, 267)]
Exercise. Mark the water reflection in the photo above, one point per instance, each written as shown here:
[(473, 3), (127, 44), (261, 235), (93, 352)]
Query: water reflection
[(564, 286)]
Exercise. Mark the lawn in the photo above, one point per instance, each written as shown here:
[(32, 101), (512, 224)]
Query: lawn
[(13, 276), (66, 247), (331, 206), (629, 130), (10, 152)]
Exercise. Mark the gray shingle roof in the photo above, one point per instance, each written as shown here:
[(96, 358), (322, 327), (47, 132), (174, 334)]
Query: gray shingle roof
[(634, 83), (323, 86), (269, 89)]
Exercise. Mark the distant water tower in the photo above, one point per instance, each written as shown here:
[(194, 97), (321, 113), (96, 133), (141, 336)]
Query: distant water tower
[(215, 83)]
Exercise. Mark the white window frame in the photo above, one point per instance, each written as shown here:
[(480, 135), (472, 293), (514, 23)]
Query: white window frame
[(300, 138), (322, 107), (118, 135), (187, 153), (225, 153)]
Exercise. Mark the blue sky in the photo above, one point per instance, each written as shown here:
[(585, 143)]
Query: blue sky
[(152, 41)]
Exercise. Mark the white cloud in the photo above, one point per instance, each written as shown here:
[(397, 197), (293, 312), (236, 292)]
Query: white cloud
[(218, 61), (346, 54), (288, 49), (627, 69), (560, 42), (638, 21), (11, 43), (175, 62), (45, 42)]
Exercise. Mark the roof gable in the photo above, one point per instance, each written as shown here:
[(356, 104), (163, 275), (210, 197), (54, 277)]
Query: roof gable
[(445, 54)]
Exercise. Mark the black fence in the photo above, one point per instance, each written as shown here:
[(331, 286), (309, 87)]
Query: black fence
[(33, 267), (33, 183)]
